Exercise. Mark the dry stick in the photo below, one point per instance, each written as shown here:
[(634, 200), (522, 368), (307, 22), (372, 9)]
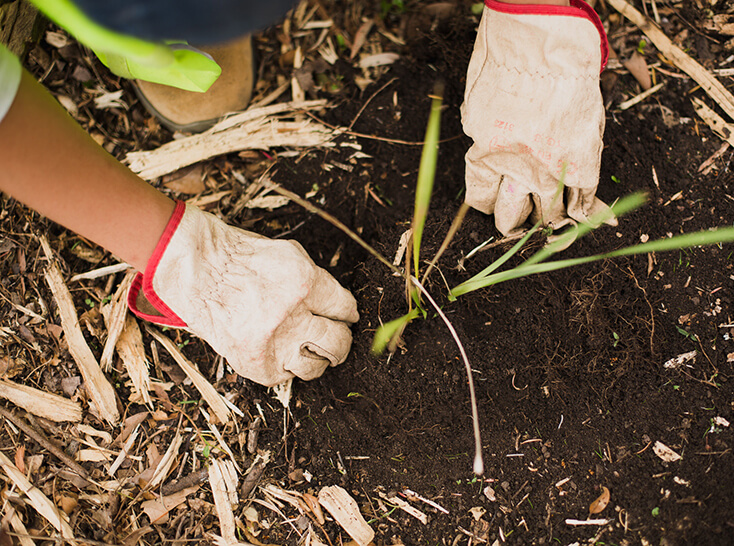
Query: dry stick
[(375, 137), (478, 461), (455, 225), (332, 220), (703, 77), (44, 441), (367, 102)]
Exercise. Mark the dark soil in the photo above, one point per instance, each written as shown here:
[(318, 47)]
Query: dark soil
[(568, 366)]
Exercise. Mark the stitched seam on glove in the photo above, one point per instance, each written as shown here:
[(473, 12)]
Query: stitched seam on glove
[(578, 8), (537, 74), (145, 281)]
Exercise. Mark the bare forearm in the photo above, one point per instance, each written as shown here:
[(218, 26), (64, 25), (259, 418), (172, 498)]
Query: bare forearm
[(50, 164)]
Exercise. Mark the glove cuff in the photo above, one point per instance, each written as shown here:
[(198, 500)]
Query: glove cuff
[(142, 286), (578, 8)]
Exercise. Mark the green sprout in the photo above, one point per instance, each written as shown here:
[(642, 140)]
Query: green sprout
[(534, 266), (388, 335)]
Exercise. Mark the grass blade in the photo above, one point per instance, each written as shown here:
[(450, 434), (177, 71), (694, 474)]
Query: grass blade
[(388, 332), (426, 173), (688, 240)]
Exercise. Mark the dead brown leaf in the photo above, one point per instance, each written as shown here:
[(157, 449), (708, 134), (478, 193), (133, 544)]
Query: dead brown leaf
[(67, 504), (637, 66), (601, 502), (20, 458), (187, 180)]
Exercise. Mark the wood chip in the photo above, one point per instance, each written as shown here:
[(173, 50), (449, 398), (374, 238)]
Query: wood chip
[(43, 404), (223, 481), (665, 453), (703, 77), (211, 396), (587, 522), (260, 128), (114, 314), (123, 454), (131, 349), (95, 383), (637, 66), (101, 272), (346, 512), (722, 129), (38, 500), (16, 523), (361, 37), (166, 462), (678, 361), (405, 507), (379, 59)]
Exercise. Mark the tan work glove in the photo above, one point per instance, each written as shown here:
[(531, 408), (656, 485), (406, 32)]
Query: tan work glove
[(532, 104), (260, 303)]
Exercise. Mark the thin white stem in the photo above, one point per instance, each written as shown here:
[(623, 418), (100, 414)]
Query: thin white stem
[(478, 460)]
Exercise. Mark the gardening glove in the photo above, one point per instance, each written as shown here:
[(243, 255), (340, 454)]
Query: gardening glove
[(260, 303), (533, 105)]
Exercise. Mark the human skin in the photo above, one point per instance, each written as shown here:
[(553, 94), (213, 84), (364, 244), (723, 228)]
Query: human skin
[(52, 165)]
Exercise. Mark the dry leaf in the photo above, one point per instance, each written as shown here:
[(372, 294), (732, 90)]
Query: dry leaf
[(601, 502), (637, 66), (189, 181), (20, 458), (68, 504), (158, 509)]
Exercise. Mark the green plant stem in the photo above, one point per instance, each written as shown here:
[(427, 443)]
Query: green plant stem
[(426, 173), (701, 238)]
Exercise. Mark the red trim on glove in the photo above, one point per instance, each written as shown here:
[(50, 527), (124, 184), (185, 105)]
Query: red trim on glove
[(144, 281), (578, 8)]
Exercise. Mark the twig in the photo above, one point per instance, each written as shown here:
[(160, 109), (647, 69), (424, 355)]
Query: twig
[(332, 220), (478, 461), (455, 225), (44, 441), (713, 87), (375, 137), (579, 522), (349, 128), (642, 96), (195, 478)]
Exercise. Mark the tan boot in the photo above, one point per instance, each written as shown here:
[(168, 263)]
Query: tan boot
[(188, 111)]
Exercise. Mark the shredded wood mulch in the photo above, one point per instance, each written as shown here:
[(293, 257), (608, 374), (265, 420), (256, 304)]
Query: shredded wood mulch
[(118, 432)]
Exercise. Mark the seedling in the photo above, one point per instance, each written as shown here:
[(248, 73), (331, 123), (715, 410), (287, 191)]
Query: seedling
[(533, 265), (388, 334), (687, 334), (615, 335)]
